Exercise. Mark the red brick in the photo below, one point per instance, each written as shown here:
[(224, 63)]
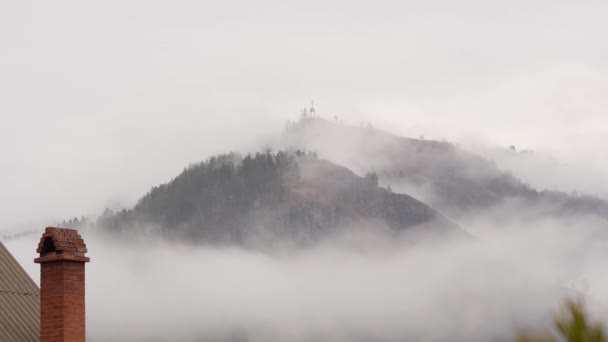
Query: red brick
[(62, 285)]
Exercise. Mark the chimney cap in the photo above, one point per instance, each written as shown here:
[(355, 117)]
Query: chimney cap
[(61, 244)]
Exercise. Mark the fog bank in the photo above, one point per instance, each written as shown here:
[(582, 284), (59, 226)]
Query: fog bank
[(358, 286)]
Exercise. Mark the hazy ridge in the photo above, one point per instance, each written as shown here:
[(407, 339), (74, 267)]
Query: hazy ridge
[(271, 196)]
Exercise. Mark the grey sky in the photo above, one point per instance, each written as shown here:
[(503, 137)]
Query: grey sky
[(100, 100)]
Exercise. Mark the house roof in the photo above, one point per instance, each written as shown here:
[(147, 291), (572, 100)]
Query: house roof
[(19, 302)]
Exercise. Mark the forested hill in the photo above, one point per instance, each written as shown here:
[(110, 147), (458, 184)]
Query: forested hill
[(237, 199)]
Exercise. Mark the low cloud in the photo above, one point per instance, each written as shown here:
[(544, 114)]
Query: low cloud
[(352, 287)]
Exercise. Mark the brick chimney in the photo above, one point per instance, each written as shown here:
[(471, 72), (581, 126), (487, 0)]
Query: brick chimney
[(62, 259)]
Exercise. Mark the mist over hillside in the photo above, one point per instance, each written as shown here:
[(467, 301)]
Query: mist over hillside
[(451, 179), (303, 196)]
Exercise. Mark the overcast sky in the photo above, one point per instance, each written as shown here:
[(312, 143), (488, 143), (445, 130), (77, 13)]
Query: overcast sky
[(99, 100)]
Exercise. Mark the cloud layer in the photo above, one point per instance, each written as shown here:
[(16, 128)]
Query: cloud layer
[(359, 286)]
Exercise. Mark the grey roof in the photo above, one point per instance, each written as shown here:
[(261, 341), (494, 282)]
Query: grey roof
[(19, 302)]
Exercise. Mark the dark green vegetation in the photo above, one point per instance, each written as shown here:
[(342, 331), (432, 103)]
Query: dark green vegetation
[(573, 325), (259, 197)]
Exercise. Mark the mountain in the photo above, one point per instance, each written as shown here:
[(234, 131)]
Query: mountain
[(244, 200), (452, 180)]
